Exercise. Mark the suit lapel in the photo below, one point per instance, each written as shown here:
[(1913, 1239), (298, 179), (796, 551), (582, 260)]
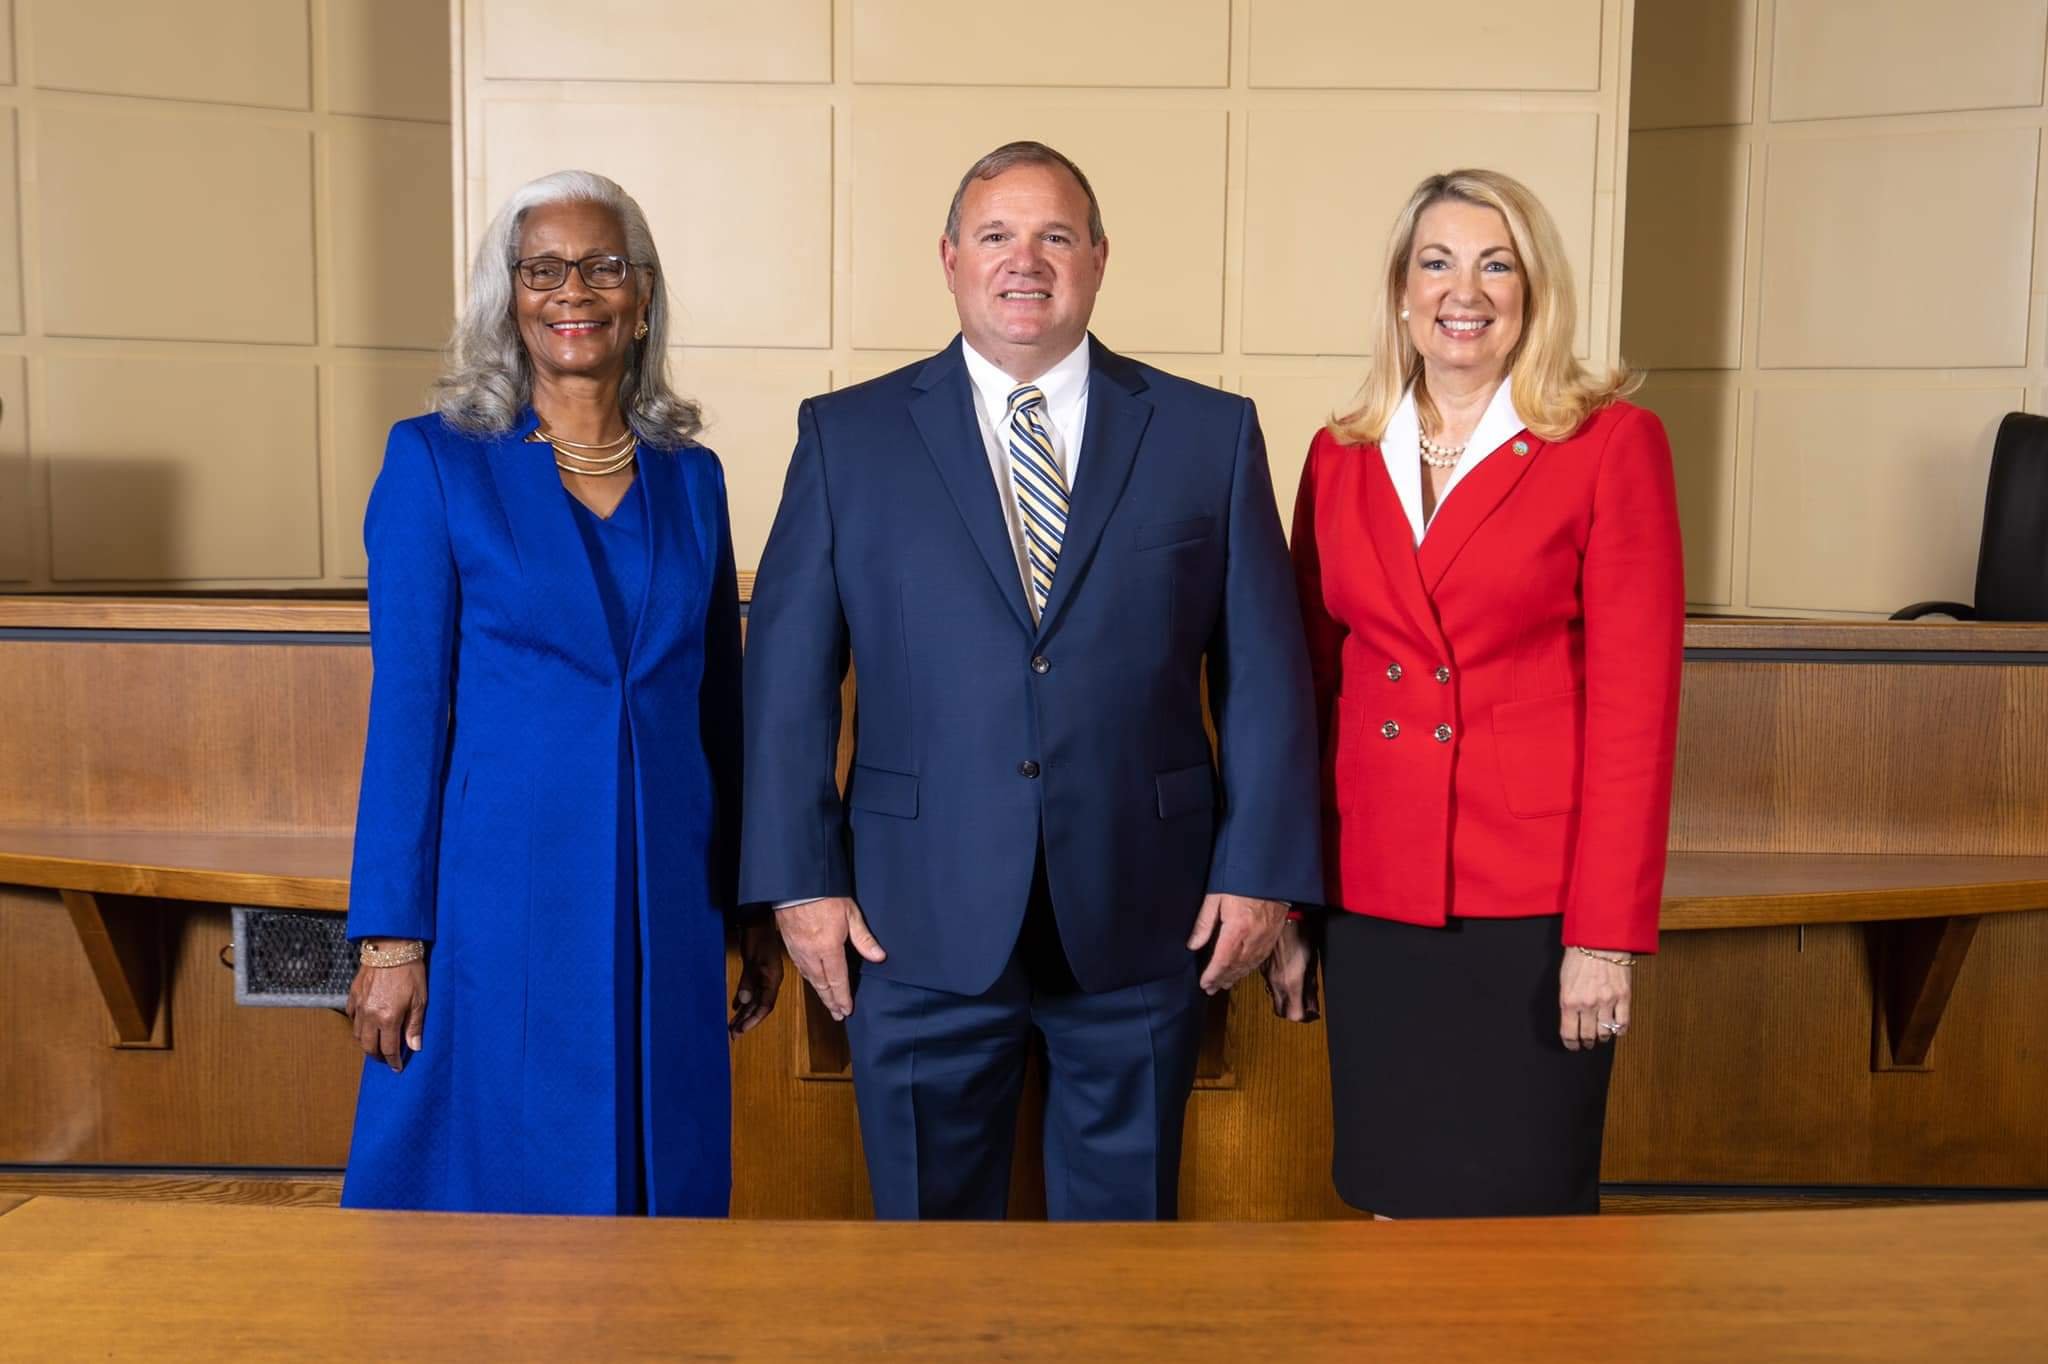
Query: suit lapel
[(1116, 422), (1468, 505), (942, 408), (1393, 541), (564, 608), (676, 535)]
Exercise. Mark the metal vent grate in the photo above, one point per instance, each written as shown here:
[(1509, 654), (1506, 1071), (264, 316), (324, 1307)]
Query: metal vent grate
[(292, 960)]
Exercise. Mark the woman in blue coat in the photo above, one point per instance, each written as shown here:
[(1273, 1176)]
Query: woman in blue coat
[(545, 841)]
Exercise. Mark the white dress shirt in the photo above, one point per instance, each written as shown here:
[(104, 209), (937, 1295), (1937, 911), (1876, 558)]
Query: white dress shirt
[(1401, 448), (1065, 386)]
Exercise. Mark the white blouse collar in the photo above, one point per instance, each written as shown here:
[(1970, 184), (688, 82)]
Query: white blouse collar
[(1401, 448)]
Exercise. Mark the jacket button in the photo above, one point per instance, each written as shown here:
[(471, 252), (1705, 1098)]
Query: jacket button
[(1443, 674), (1443, 734), (1041, 665), (1027, 768), (1390, 730), (1393, 672)]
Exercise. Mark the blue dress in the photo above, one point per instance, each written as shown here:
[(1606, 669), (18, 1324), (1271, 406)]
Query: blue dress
[(550, 787)]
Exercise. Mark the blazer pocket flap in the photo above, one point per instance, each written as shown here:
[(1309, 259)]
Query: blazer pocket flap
[(882, 792), (1186, 791), (1557, 715), (1538, 745), (1160, 534)]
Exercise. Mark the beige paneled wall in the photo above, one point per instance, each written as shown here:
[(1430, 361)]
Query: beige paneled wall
[(1835, 272), (225, 233), (796, 158)]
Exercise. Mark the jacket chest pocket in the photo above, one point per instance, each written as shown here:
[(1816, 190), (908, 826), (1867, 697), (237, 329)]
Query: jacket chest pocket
[(1188, 530)]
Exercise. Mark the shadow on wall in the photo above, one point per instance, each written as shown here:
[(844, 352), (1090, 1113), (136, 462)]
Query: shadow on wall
[(122, 518)]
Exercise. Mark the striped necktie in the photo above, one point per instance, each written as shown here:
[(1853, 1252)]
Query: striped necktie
[(1041, 490)]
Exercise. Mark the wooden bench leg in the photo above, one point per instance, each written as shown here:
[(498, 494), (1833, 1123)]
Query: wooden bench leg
[(1918, 963), (123, 940)]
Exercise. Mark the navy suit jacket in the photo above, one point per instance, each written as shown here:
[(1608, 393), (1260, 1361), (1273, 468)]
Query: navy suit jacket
[(980, 733)]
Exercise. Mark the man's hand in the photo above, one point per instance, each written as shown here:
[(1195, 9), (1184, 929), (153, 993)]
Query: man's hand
[(760, 975), (816, 933), (1245, 938), (1291, 975)]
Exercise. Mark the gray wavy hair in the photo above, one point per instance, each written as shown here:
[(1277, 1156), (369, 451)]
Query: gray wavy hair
[(486, 379)]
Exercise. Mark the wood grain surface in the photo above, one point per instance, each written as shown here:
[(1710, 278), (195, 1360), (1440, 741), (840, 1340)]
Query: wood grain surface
[(1753, 890), (1888, 636), (1926, 759), (273, 1283), (9, 1202), (284, 870), (190, 737), (184, 613), (175, 1186)]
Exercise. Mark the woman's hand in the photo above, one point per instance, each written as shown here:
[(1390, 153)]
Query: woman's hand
[(760, 974), (388, 1006), (1291, 974), (1592, 1001)]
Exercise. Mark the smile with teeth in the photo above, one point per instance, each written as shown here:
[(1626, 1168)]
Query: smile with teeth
[(1027, 295), (577, 327), (1464, 326)]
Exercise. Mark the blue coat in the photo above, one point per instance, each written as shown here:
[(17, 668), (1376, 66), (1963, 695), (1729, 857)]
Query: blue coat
[(981, 733), (489, 824)]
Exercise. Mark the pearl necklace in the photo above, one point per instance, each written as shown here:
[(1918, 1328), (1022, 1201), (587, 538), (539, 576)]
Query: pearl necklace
[(1439, 456)]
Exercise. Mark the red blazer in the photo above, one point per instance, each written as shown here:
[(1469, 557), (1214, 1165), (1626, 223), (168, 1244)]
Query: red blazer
[(1499, 706)]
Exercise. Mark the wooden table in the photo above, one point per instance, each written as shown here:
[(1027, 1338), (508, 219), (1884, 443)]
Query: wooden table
[(105, 1280)]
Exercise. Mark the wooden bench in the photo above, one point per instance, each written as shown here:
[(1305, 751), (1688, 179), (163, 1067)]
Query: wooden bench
[(112, 883), (109, 880)]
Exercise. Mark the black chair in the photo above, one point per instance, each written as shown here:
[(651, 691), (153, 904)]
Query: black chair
[(2012, 558)]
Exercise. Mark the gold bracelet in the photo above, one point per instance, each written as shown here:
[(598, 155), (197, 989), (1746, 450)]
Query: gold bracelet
[(1611, 958), (404, 954)]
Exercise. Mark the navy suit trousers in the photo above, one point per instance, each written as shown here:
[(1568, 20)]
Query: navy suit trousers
[(937, 1078)]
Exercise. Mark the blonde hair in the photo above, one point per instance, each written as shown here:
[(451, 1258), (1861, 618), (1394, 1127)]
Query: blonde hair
[(1553, 392)]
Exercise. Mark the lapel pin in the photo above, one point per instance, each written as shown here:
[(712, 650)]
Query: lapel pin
[(1521, 447)]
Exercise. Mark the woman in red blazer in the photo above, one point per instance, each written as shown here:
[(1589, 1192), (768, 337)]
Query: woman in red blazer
[(1488, 558)]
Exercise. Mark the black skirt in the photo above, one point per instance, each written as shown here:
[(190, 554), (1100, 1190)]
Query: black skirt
[(1451, 1092)]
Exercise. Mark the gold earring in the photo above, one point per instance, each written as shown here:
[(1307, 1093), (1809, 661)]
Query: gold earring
[(640, 332)]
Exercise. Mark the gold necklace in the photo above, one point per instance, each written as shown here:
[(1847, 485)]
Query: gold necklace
[(569, 461), (612, 444)]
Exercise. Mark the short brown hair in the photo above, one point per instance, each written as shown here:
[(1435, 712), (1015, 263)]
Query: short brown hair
[(1009, 156)]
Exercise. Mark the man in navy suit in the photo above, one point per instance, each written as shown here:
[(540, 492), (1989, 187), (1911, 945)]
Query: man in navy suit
[(1031, 548)]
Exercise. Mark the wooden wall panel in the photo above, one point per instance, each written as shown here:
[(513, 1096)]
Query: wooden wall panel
[(1248, 157), (204, 737), (156, 485), (1131, 43), (1381, 44), (220, 51), (112, 268), (1776, 241), (1861, 758), (1961, 55), (266, 178), (15, 543), (1749, 1063), (236, 1086)]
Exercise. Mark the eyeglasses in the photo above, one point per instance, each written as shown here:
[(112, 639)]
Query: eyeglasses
[(550, 272)]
